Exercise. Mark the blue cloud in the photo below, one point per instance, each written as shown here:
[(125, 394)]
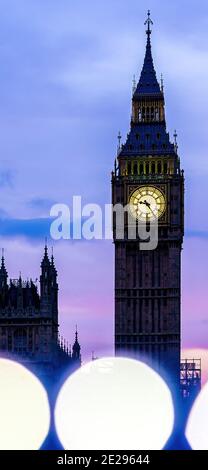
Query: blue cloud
[(32, 229), (36, 229), (41, 203), (197, 234)]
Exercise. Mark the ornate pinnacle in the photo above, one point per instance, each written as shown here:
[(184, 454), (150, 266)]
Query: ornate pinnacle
[(175, 135), (133, 84), (2, 259), (119, 142), (162, 83), (148, 22)]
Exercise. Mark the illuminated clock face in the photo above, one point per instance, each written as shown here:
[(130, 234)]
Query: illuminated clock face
[(147, 203)]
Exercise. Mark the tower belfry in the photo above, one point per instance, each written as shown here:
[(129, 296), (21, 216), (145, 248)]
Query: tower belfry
[(147, 282)]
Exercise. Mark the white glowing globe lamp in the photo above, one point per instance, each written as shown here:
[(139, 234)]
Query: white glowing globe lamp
[(114, 403), (197, 425), (24, 408)]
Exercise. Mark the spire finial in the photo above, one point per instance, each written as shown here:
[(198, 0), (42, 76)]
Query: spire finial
[(52, 257), (148, 22), (175, 135), (2, 266), (2, 257), (162, 83), (133, 84), (20, 279), (119, 141), (45, 260), (46, 248), (76, 334)]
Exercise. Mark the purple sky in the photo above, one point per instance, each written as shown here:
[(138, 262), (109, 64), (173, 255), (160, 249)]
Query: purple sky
[(66, 73)]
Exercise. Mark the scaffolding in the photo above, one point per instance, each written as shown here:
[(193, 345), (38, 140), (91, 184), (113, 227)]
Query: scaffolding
[(190, 378)]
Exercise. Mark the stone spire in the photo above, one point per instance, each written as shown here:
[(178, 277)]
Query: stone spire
[(3, 269), (45, 260), (3, 272), (148, 83), (76, 348), (53, 267)]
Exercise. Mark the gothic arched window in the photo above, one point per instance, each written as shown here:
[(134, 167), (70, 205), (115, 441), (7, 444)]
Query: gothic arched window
[(147, 168), (148, 113), (143, 113), (135, 169), (129, 168)]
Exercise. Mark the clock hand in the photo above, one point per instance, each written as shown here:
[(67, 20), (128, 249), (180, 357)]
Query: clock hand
[(153, 213), (145, 202), (149, 206)]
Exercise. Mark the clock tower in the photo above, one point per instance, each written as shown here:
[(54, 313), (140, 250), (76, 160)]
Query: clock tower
[(147, 177)]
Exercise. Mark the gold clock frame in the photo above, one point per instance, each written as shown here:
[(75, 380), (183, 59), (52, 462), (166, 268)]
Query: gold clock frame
[(163, 219)]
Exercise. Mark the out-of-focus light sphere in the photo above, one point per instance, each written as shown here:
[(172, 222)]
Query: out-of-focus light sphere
[(197, 425), (24, 408), (114, 403)]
